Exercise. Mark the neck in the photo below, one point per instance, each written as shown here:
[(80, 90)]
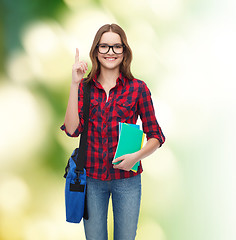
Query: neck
[(108, 76)]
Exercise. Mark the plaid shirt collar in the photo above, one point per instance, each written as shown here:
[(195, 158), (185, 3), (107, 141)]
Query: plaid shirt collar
[(121, 79)]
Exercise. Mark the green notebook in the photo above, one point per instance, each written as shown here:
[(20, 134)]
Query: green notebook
[(130, 141)]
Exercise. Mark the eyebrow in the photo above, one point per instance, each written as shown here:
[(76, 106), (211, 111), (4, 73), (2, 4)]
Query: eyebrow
[(113, 44)]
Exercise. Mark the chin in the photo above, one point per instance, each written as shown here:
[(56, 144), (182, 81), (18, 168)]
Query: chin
[(110, 66)]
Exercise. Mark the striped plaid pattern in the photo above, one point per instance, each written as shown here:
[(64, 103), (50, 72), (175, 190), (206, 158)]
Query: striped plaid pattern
[(127, 100)]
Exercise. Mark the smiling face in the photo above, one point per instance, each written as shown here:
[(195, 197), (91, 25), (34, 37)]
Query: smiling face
[(110, 60)]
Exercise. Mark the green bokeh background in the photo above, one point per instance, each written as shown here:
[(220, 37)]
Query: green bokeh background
[(184, 51)]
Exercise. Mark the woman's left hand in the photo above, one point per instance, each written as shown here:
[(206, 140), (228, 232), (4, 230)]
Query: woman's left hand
[(127, 162)]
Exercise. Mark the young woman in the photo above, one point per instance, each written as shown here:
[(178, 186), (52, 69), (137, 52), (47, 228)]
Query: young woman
[(116, 96)]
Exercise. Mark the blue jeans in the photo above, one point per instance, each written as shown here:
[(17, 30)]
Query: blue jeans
[(126, 196)]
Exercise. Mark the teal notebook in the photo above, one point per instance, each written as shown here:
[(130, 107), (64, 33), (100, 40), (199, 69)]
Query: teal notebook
[(130, 141)]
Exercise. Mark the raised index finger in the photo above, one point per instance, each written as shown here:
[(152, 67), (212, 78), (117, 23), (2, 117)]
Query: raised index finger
[(77, 55)]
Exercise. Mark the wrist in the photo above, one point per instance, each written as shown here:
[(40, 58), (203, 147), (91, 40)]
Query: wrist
[(137, 156), (75, 84)]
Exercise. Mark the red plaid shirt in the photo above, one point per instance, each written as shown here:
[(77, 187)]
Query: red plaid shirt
[(127, 100)]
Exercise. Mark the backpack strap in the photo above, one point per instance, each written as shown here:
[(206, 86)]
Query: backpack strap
[(82, 150)]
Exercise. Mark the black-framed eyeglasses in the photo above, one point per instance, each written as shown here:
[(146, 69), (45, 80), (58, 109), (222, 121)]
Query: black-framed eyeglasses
[(105, 48)]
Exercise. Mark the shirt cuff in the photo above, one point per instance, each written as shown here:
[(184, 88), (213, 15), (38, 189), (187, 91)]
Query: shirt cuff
[(161, 139), (76, 132)]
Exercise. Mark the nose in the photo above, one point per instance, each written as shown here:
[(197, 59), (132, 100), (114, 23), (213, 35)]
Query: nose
[(110, 51)]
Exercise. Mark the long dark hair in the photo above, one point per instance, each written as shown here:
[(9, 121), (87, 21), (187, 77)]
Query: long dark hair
[(125, 65)]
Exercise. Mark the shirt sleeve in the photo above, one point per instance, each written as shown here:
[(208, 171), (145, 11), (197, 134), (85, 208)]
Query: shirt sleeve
[(147, 114), (80, 127), (77, 132)]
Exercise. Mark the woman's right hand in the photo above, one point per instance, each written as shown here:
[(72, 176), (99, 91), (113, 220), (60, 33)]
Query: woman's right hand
[(79, 68)]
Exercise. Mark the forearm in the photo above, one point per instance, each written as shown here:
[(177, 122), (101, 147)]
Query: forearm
[(127, 161), (150, 147), (72, 117)]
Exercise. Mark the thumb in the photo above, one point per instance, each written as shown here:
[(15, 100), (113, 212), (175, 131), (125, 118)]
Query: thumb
[(117, 159)]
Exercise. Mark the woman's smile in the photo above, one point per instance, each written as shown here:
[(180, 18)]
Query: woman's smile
[(110, 58)]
